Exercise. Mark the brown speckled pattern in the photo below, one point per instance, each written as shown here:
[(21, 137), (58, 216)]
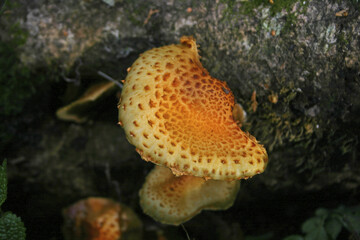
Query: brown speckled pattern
[(178, 116)]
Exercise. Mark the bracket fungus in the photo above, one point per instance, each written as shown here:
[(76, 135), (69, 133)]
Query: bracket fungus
[(180, 117), (98, 218), (174, 200), (78, 110)]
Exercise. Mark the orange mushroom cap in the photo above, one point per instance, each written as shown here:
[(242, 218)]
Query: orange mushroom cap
[(97, 218), (178, 116), (174, 200)]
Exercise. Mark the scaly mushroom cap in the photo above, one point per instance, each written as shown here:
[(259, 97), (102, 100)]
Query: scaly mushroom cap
[(174, 200), (100, 219), (178, 116)]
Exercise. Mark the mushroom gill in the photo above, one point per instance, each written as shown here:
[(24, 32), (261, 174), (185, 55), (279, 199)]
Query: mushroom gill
[(174, 200), (178, 116)]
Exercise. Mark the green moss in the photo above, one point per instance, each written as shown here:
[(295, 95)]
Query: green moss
[(18, 85), (2, 6), (248, 7), (300, 138), (270, 18), (11, 226), (15, 79), (355, 3), (284, 4), (136, 11), (341, 39), (290, 23)]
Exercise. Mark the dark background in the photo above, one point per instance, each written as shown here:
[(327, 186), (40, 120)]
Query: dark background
[(298, 56)]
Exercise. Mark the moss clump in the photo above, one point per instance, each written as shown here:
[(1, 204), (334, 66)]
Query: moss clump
[(303, 131), (18, 84), (343, 39), (283, 22), (290, 23), (16, 87), (2, 4), (15, 80), (248, 7), (136, 11), (11, 226)]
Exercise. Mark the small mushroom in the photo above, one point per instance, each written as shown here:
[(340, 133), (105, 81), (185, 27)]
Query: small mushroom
[(78, 110), (239, 114), (174, 200), (178, 116), (100, 219)]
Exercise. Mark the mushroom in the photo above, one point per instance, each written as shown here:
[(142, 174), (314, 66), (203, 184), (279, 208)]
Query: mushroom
[(239, 114), (180, 117), (78, 110), (174, 200), (97, 218)]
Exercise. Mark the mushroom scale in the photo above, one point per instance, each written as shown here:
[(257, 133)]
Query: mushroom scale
[(178, 116), (174, 200)]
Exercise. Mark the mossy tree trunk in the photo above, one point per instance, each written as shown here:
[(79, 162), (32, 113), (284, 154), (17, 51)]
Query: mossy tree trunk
[(293, 65)]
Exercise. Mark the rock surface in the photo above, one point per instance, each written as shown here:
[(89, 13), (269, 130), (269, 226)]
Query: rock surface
[(295, 68)]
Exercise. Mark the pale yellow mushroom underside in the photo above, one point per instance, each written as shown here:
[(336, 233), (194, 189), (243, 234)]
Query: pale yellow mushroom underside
[(174, 200)]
